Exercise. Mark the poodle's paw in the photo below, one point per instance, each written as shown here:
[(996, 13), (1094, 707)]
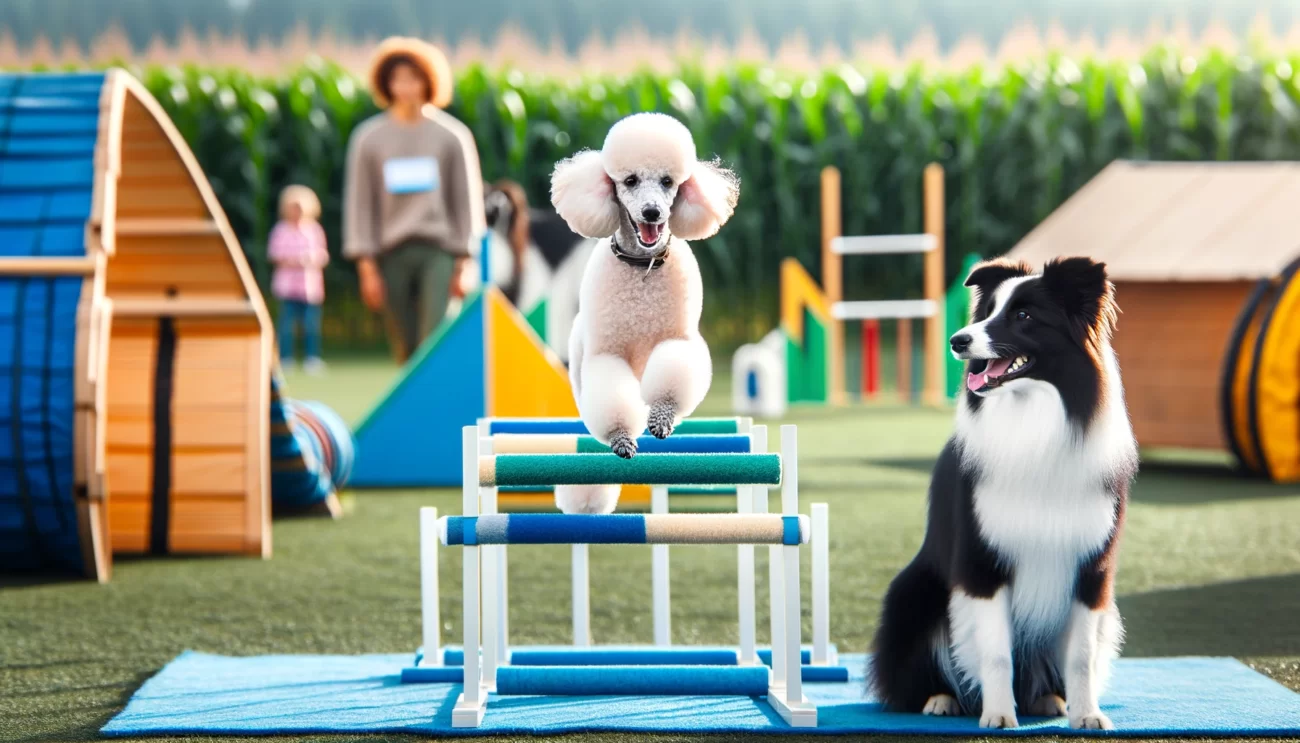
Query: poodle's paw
[(586, 498), (663, 419), (622, 444), (942, 705), (1094, 720), (998, 719), (1048, 705)]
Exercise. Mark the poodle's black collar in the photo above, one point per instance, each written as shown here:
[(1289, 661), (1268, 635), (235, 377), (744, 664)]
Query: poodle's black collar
[(653, 262)]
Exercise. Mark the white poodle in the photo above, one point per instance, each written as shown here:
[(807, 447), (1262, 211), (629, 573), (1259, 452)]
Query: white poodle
[(636, 358)]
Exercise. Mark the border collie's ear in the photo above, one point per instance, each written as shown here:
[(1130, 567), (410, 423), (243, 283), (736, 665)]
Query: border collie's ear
[(583, 195), (705, 201), (1088, 297), (994, 272)]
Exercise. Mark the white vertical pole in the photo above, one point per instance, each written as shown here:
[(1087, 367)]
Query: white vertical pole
[(775, 590), (473, 693), (503, 601), (790, 594), (429, 587), (659, 573), (746, 495), (581, 597), (821, 585), (491, 597)]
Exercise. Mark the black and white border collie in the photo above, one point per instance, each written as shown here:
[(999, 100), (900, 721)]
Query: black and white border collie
[(1008, 608)]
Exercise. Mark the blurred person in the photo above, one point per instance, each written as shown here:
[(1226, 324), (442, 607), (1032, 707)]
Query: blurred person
[(412, 195), (299, 253)]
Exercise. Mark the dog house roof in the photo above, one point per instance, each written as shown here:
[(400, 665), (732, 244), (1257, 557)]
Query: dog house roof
[(1178, 221)]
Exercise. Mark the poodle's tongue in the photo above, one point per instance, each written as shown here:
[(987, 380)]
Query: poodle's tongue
[(995, 369), (649, 233)]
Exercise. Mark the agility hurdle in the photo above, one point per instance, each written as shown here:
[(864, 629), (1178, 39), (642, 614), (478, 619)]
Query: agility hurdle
[(480, 534), (751, 439), (570, 436), (750, 499)]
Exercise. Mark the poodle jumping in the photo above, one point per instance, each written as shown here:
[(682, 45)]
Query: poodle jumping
[(636, 358)]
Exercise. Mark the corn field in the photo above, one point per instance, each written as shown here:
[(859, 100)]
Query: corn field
[(1015, 142)]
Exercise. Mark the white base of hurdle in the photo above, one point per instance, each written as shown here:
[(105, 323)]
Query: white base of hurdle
[(469, 714), (796, 714)]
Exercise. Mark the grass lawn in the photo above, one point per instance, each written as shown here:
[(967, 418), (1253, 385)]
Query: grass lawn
[(1210, 566)]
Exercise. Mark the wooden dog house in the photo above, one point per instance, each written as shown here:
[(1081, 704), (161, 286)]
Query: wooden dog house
[(1185, 244), (173, 343)]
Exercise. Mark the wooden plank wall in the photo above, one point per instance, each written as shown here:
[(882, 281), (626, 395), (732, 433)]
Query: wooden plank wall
[(172, 257), (1170, 342), (211, 507)]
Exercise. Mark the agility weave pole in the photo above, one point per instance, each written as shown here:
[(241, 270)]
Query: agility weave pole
[(481, 660)]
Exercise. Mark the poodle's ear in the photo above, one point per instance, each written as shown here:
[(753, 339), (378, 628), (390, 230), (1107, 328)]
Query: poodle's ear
[(583, 195), (704, 201)]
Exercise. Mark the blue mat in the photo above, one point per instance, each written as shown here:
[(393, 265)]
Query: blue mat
[(201, 693)]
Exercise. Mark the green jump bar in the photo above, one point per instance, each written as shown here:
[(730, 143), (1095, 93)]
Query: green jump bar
[(643, 469)]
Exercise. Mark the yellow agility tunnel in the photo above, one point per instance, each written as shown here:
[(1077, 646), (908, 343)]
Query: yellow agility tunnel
[(1204, 262)]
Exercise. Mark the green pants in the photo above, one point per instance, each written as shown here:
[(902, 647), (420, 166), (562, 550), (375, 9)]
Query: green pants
[(417, 279)]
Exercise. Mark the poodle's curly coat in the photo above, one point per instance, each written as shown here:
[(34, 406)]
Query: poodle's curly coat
[(635, 353)]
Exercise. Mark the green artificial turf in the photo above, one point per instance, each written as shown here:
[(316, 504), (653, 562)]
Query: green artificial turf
[(1210, 566)]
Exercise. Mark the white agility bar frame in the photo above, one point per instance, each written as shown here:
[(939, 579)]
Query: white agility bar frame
[(481, 584)]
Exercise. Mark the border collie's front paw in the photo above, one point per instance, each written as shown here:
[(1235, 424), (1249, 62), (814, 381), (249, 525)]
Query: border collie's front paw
[(994, 719), (663, 419), (1094, 720), (623, 445), (942, 705)]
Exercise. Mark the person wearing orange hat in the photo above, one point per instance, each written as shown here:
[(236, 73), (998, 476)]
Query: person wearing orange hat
[(412, 199)]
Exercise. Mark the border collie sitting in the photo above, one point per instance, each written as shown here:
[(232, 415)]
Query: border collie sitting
[(1008, 607)]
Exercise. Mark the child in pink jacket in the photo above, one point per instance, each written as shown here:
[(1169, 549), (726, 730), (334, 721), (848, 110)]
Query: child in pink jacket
[(297, 250)]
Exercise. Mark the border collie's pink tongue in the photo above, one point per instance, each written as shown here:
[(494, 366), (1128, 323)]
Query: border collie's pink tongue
[(649, 233), (995, 368)]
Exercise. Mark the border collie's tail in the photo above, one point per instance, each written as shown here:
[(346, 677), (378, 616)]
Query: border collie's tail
[(902, 671)]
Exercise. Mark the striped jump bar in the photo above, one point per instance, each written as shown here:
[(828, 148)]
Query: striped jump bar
[(568, 443), (575, 425), (643, 469), (623, 528)]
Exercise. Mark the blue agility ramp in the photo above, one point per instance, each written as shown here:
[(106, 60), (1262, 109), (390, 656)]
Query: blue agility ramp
[(412, 438)]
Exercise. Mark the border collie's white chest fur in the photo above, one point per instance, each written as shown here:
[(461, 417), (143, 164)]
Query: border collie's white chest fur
[(1041, 499)]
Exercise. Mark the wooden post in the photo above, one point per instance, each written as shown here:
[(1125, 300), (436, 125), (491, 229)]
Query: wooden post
[(904, 359), (832, 283), (935, 350)]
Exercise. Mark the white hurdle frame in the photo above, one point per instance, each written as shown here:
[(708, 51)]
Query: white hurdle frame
[(472, 702), (746, 497), (481, 583), (663, 634)]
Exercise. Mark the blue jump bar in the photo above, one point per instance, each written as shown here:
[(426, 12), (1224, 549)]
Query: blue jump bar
[(575, 425), (672, 489), (583, 681)]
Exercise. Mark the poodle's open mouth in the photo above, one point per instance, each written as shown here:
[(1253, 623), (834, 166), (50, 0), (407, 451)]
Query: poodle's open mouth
[(648, 234), (988, 374)]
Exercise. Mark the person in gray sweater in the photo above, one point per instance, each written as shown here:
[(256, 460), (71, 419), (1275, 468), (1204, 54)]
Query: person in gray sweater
[(413, 193)]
